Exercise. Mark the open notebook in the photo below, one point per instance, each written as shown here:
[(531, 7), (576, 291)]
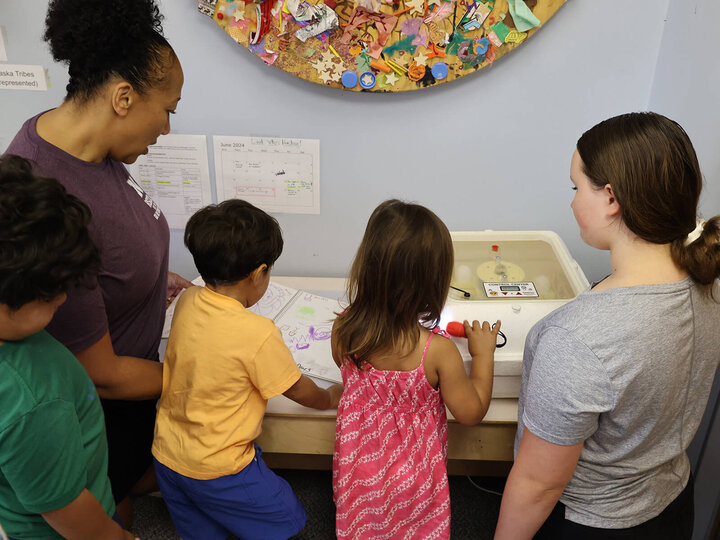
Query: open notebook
[(305, 320)]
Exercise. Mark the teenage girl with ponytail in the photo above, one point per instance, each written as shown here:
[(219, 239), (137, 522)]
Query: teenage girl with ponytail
[(615, 383), (125, 82)]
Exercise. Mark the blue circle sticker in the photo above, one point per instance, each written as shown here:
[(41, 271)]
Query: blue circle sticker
[(439, 70), (349, 79)]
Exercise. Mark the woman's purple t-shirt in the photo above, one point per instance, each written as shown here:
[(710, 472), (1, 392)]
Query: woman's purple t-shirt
[(132, 236)]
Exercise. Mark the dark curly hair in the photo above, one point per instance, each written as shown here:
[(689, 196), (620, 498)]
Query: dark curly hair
[(45, 247), (231, 239), (101, 39)]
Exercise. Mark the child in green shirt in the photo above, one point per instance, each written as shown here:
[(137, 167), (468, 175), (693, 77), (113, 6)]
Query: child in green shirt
[(53, 449)]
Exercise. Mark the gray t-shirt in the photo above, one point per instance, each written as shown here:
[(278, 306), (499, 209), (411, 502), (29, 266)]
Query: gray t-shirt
[(628, 371)]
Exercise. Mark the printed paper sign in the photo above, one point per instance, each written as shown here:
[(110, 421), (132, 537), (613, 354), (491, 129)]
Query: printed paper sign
[(3, 52), (275, 174), (19, 77), (174, 173)]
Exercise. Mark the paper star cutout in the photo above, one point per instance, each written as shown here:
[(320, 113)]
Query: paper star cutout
[(239, 15), (337, 69), (328, 57), (421, 60), (320, 65), (326, 77), (416, 6), (391, 79)]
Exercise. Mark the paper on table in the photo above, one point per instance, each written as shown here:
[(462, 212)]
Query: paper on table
[(175, 174), (306, 324), (275, 174), (305, 320), (274, 300)]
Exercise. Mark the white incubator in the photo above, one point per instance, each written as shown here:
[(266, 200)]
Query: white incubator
[(517, 277)]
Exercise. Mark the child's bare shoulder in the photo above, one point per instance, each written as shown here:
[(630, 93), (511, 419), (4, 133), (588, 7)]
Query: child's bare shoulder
[(442, 349)]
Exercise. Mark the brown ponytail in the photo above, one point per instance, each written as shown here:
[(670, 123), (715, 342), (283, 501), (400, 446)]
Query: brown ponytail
[(701, 258)]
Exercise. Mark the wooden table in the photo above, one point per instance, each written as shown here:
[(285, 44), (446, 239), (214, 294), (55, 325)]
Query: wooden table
[(300, 438), (296, 437)]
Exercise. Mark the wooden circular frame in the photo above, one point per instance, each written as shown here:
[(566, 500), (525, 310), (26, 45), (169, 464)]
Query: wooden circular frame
[(382, 47)]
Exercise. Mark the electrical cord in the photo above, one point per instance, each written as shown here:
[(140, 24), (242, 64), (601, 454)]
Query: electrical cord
[(499, 494)]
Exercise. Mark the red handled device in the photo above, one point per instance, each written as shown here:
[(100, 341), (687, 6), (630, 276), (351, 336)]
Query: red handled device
[(456, 329)]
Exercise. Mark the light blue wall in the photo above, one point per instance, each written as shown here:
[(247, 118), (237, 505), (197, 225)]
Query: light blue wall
[(489, 151), (687, 88)]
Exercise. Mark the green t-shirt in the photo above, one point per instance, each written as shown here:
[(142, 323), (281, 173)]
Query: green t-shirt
[(52, 435)]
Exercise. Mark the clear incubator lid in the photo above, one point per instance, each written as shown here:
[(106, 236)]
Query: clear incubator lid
[(513, 265)]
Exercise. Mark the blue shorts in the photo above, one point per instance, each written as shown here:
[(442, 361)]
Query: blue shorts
[(252, 504)]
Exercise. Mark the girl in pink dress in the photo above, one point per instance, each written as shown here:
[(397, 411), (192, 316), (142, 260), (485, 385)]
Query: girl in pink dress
[(389, 465)]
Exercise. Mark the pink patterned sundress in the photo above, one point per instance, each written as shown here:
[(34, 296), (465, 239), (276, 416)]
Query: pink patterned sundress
[(390, 459)]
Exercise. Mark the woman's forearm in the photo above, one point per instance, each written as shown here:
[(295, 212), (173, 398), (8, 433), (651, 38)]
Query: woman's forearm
[(121, 377), (526, 504)]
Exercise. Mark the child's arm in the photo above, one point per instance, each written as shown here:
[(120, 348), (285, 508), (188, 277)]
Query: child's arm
[(84, 518), (482, 340), (307, 393), (468, 397)]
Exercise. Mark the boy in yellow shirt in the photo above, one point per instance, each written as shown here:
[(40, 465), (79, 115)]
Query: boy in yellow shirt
[(223, 362)]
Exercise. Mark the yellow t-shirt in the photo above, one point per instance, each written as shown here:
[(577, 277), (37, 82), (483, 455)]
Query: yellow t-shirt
[(223, 362)]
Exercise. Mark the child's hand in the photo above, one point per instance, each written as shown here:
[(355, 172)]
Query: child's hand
[(335, 391), (481, 338)]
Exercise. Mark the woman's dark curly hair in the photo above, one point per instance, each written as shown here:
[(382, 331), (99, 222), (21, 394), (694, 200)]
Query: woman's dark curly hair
[(45, 246), (101, 39)]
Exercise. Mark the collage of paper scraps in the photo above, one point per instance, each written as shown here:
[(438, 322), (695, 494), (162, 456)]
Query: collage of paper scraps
[(380, 45)]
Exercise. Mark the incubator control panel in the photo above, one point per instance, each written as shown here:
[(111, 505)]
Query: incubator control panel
[(510, 289)]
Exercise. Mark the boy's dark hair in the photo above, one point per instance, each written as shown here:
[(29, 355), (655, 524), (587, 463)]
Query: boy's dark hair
[(101, 39), (45, 247), (231, 239)]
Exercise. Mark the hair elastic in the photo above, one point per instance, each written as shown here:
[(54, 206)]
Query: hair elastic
[(696, 232)]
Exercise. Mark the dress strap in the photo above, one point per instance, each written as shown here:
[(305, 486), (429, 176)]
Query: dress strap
[(435, 330)]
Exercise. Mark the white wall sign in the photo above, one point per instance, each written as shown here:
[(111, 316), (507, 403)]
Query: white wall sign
[(273, 173), (175, 174), (20, 77), (3, 52)]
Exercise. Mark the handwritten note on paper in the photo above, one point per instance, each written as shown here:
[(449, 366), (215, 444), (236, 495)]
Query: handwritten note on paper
[(175, 174), (275, 174)]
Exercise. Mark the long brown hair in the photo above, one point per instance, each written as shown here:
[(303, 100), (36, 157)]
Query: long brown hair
[(652, 167), (400, 279)]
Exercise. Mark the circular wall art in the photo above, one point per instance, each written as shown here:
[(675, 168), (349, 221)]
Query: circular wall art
[(380, 45)]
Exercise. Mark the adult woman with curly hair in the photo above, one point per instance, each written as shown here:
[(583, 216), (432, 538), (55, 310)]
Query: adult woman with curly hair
[(125, 81)]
